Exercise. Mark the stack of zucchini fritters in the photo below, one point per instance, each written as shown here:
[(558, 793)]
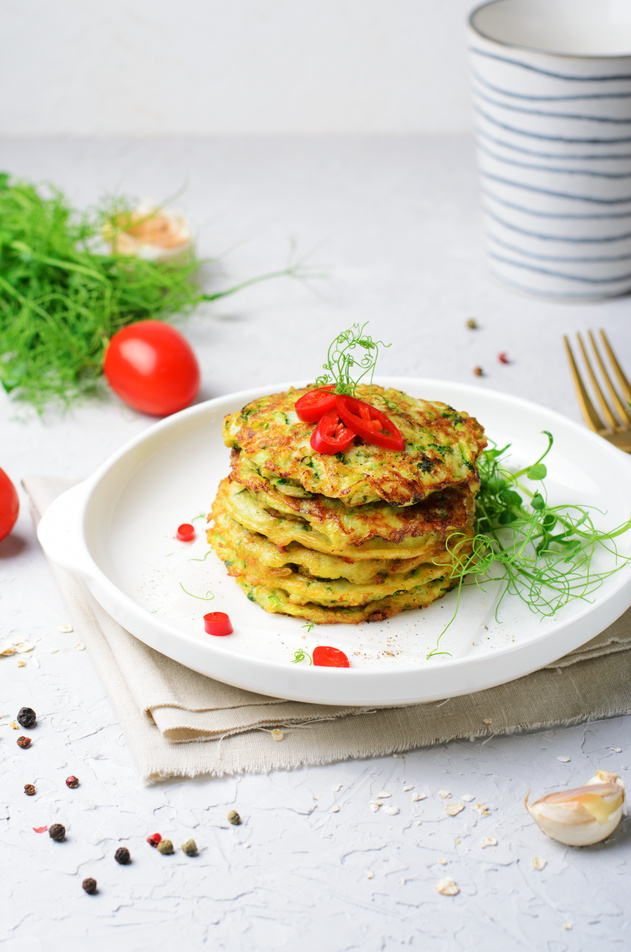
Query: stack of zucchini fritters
[(355, 536)]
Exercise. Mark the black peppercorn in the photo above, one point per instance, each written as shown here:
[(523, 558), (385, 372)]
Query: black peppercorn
[(122, 856), (27, 717), (29, 789), (89, 885), (24, 742), (57, 832)]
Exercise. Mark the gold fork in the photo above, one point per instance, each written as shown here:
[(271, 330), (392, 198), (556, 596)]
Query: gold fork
[(617, 425)]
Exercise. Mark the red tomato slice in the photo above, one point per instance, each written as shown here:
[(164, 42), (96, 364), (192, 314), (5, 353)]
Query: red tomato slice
[(185, 532), (152, 367), (9, 505), (217, 623), (313, 405), (369, 423), (331, 435), (329, 657)]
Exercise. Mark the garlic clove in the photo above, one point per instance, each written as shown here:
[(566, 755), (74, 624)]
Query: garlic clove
[(149, 233), (584, 815)]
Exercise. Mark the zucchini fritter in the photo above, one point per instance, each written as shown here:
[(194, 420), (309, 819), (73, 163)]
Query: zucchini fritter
[(442, 446)]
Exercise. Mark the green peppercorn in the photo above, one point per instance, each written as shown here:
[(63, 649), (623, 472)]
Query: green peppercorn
[(89, 885), (234, 818), (57, 832), (190, 848), (165, 847), (472, 323), (122, 856)]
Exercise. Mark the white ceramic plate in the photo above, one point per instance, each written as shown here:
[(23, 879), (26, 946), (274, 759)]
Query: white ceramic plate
[(117, 528)]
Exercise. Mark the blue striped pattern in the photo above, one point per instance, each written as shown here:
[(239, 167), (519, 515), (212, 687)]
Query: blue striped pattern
[(554, 151)]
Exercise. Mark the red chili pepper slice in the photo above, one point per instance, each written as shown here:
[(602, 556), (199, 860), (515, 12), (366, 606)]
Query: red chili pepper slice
[(329, 657), (313, 405), (185, 532), (331, 434), (217, 623), (369, 423)]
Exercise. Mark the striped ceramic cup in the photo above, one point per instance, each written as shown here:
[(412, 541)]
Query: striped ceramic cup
[(552, 98)]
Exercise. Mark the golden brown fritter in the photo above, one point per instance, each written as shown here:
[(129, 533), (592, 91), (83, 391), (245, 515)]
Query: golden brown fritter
[(441, 448)]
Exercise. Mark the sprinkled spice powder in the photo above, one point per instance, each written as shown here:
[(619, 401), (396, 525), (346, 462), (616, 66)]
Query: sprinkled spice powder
[(27, 717), (57, 832)]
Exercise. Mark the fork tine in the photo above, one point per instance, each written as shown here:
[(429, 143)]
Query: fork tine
[(591, 417), (604, 406), (613, 393), (617, 369)]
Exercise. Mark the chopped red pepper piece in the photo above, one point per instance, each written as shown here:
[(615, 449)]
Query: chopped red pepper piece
[(329, 657), (331, 434), (313, 405), (217, 623), (185, 532), (369, 423)]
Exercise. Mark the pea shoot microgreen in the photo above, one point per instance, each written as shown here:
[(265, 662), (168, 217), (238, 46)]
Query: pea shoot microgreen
[(541, 553), (208, 597), (352, 356)]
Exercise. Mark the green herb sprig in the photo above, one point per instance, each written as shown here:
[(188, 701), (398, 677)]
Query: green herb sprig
[(62, 297), (541, 553), (351, 357)]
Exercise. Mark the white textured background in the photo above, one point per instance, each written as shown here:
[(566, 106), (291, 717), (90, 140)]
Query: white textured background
[(226, 67)]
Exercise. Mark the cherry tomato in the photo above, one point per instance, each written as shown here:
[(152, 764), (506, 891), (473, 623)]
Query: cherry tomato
[(152, 367), (330, 657), (331, 435), (9, 505), (217, 623), (369, 423), (313, 405), (185, 532)]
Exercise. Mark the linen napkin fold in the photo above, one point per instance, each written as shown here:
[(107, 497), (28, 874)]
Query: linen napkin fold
[(182, 724)]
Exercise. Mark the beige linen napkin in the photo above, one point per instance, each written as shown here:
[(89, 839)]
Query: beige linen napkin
[(180, 723)]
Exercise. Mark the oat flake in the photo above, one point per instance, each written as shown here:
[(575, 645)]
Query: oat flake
[(447, 887), (276, 734), (564, 759), (538, 863), (383, 794), (391, 811), (454, 809)]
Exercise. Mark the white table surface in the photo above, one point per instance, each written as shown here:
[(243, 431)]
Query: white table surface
[(396, 225)]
